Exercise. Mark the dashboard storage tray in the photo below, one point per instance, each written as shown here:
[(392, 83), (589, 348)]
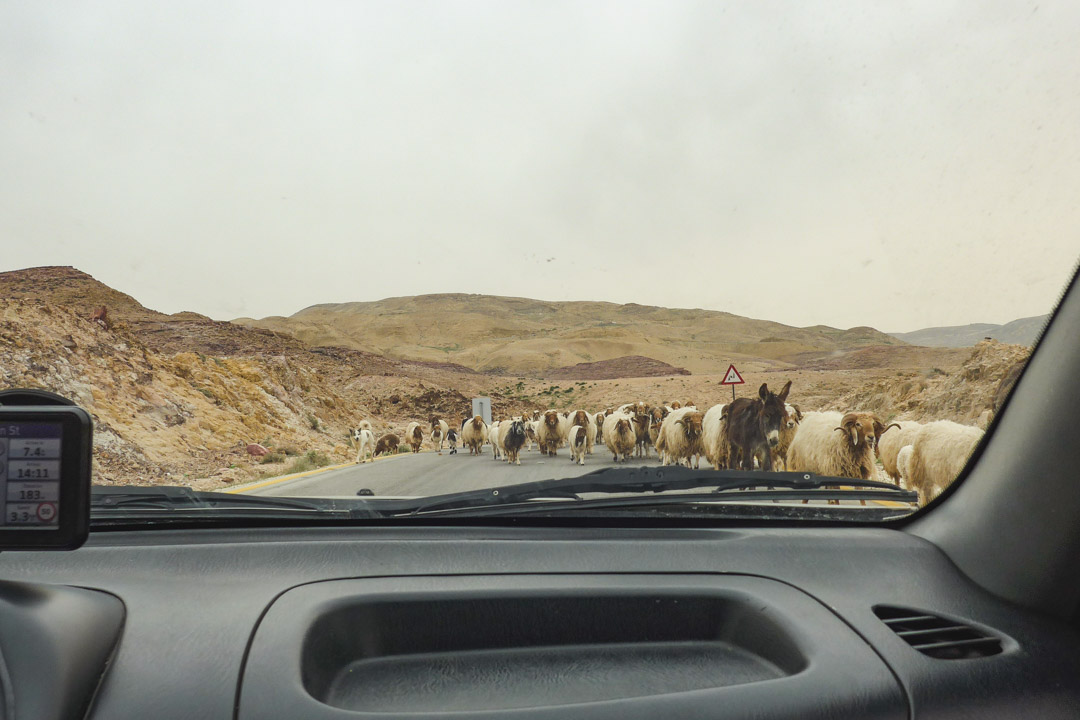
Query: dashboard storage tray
[(558, 646), (485, 653)]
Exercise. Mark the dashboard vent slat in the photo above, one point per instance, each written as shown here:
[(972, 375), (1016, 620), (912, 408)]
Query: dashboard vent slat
[(938, 637), (928, 631), (923, 647)]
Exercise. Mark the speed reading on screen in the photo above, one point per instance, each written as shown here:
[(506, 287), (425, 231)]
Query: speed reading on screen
[(30, 459)]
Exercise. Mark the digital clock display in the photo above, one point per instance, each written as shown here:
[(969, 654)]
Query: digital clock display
[(30, 459)]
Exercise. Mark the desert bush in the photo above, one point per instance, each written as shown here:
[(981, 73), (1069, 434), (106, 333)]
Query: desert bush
[(317, 459)]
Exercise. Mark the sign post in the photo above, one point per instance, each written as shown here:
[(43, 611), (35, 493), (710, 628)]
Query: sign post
[(732, 378), (482, 406)]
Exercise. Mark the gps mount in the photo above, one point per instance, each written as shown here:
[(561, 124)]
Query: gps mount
[(45, 461)]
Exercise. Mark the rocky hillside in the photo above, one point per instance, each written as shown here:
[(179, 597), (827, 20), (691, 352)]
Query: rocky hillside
[(963, 394), (176, 398), (533, 337)]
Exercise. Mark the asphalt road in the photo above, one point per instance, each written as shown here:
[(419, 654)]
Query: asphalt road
[(428, 473)]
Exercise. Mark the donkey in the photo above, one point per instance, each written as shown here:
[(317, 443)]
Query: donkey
[(753, 426)]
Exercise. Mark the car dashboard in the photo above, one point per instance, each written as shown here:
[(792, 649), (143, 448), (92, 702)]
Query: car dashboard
[(535, 622)]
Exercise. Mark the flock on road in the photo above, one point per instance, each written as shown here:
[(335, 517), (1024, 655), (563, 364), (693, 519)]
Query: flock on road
[(762, 433)]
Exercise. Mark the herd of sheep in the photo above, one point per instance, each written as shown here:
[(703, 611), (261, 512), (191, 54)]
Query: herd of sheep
[(751, 433)]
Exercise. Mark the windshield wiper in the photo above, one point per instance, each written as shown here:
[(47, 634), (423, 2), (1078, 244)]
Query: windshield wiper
[(115, 502), (726, 486)]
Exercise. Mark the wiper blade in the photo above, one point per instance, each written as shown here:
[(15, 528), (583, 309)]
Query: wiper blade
[(171, 499), (653, 479), (763, 503)]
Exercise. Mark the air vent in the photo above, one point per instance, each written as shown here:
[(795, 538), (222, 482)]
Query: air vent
[(936, 636)]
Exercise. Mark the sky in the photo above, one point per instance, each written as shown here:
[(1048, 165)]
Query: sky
[(897, 165)]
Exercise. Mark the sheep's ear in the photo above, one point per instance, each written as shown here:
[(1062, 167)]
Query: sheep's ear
[(854, 430), (763, 391), (783, 393)]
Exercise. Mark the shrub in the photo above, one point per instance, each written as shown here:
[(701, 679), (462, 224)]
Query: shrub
[(302, 463), (272, 458), (299, 465), (317, 459)]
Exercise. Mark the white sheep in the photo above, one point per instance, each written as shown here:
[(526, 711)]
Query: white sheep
[(473, 434), (619, 435), (439, 428), (565, 423), (903, 463), (713, 439), (365, 444), (493, 438), (414, 436), (836, 445), (579, 442), (889, 447), (939, 453), (680, 437)]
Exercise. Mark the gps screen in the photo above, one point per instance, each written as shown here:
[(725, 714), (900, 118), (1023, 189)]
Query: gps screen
[(30, 460)]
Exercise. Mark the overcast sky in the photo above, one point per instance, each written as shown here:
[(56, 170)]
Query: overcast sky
[(837, 163)]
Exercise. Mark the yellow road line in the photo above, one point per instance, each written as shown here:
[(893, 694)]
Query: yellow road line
[(307, 473), (283, 478), (891, 503)]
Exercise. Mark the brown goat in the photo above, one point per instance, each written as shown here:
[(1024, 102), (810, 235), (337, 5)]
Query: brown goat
[(387, 444), (547, 434)]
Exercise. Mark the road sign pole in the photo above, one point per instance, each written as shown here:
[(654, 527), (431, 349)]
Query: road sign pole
[(732, 378)]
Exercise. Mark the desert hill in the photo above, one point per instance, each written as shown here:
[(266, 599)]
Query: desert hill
[(176, 398), (523, 336), (1018, 332), (65, 286), (633, 366)]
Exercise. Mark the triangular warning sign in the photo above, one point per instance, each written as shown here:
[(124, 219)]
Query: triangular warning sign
[(733, 377)]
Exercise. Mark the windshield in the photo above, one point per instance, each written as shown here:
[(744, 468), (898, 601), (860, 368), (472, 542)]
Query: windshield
[(409, 259)]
